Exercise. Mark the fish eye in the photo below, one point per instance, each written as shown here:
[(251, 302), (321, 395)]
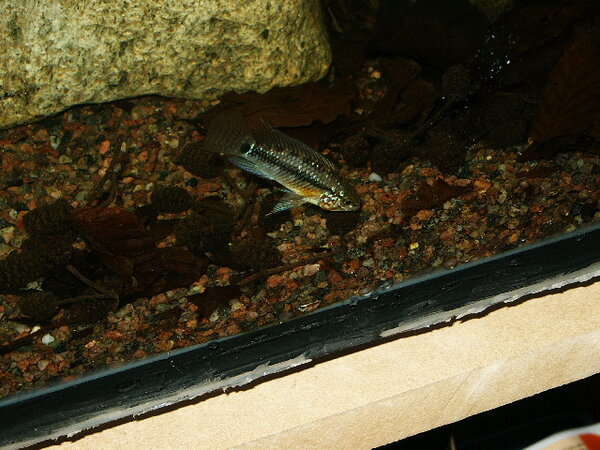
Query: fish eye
[(348, 202)]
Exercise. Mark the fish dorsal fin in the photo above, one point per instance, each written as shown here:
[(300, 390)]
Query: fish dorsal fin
[(229, 134), (269, 136), (249, 166)]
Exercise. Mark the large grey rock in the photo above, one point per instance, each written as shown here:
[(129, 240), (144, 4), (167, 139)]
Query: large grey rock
[(54, 54)]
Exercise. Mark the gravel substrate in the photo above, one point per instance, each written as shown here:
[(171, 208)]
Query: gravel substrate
[(413, 219)]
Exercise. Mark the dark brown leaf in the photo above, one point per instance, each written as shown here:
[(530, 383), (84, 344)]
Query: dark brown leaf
[(167, 320), (400, 73), (120, 265), (202, 232), (355, 150), (164, 269), (125, 246), (416, 101), (294, 106), (113, 230), (200, 163), (445, 150), (213, 297), (429, 197), (341, 222), (160, 229), (456, 82), (572, 94)]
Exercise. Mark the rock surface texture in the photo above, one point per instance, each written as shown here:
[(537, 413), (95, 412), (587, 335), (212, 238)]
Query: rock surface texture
[(57, 54)]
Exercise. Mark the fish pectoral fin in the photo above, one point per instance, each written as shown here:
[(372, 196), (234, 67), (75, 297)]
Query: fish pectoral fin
[(249, 166), (288, 201)]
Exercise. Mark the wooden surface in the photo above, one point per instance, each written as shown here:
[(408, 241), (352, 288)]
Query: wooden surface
[(390, 391)]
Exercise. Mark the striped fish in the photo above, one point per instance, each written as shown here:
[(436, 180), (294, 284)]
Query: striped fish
[(306, 175)]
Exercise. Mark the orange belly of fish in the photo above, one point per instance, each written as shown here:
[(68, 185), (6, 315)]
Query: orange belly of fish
[(304, 192)]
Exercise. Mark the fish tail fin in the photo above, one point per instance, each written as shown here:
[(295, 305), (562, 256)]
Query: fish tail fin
[(229, 134)]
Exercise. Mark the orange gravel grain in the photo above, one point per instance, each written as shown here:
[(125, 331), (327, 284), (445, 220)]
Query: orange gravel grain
[(274, 280), (482, 185), (104, 146)]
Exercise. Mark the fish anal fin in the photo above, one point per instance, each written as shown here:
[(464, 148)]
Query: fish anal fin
[(288, 201)]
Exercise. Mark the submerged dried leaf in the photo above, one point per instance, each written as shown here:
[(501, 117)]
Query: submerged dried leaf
[(214, 297), (16, 270), (416, 101), (165, 269), (38, 255), (125, 246), (295, 106), (113, 230), (429, 197), (355, 150), (400, 72), (572, 94)]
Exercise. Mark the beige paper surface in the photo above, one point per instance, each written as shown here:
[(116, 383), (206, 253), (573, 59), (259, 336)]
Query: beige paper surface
[(390, 391)]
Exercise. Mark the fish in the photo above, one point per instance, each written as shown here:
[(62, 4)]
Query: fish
[(306, 175)]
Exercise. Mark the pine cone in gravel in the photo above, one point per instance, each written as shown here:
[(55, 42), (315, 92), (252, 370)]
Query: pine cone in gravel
[(49, 219), (17, 270), (255, 253), (206, 232), (88, 311), (40, 306), (199, 162), (456, 82), (502, 120), (444, 150), (171, 199), (52, 252), (39, 254), (355, 150), (390, 151)]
